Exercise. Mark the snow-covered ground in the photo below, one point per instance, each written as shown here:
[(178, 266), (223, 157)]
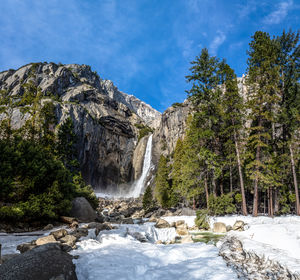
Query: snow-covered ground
[(275, 238), (117, 255)]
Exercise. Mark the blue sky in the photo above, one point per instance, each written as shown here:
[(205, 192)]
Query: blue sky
[(143, 46)]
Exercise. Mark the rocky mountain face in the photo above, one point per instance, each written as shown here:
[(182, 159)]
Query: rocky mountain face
[(107, 121), (172, 126)]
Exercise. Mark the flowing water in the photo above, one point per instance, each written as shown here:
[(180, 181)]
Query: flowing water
[(137, 187)]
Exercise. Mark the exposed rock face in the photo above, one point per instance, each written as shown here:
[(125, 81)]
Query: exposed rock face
[(44, 262), (104, 118), (172, 126)]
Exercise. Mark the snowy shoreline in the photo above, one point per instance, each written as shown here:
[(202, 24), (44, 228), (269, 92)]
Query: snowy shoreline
[(116, 254)]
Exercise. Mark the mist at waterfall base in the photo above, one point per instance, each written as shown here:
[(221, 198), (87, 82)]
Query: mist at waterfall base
[(135, 189)]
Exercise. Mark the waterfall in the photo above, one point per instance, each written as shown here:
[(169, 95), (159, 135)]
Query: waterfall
[(139, 184)]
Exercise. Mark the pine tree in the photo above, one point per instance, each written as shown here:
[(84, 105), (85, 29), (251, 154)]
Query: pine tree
[(263, 76), (148, 201), (162, 187), (234, 121)]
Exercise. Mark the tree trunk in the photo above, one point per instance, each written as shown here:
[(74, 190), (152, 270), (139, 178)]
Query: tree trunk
[(214, 184), (255, 194), (244, 206), (295, 181), (271, 203), (276, 201), (230, 177), (206, 192)]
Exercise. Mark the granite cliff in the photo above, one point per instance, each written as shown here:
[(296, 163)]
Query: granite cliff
[(107, 121)]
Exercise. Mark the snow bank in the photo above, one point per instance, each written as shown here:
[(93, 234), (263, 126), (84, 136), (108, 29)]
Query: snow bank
[(275, 238)]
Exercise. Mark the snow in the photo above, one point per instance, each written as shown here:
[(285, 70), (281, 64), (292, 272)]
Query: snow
[(275, 238), (116, 254)]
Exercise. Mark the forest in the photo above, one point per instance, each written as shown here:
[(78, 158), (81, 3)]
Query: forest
[(240, 153)]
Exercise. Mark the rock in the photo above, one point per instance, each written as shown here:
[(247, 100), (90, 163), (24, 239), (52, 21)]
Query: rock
[(104, 226), (182, 230), (59, 233), (82, 210), (80, 232), (173, 224), (158, 242), (238, 225), (127, 221), (45, 240), (74, 225), (25, 247), (69, 240), (138, 236), (193, 228), (219, 227), (228, 228), (162, 224), (7, 257), (48, 227), (186, 239), (93, 225), (152, 219), (43, 263), (179, 223), (67, 220)]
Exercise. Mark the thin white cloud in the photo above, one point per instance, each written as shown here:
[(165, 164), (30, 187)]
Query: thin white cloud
[(217, 42), (279, 14)]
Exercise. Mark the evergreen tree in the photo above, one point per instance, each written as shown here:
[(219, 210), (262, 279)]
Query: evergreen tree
[(263, 77), (148, 201), (234, 121), (162, 187)]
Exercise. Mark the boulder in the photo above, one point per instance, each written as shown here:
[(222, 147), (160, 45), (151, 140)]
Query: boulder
[(43, 263), (80, 232), (127, 221), (162, 224), (82, 210), (219, 227), (59, 233), (238, 225), (45, 240), (104, 226), (186, 239), (152, 219), (228, 228), (7, 257), (185, 211), (138, 236)]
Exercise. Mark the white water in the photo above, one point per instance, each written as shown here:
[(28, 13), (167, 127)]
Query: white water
[(139, 184), (137, 187)]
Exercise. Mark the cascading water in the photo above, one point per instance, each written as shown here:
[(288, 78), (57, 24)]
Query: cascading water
[(139, 184)]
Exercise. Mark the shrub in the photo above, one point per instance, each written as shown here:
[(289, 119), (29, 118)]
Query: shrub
[(221, 205), (202, 220)]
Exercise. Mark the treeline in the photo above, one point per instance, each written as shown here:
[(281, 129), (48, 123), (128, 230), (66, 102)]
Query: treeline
[(241, 149), (39, 172)]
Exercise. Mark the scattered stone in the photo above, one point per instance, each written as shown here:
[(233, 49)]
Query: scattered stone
[(219, 227), (179, 223), (186, 239), (25, 247), (43, 263), (48, 227), (228, 228), (127, 221), (182, 230), (59, 233), (80, 232), (138, 236), (104, 226), (45, 240), (158, 242), (238, 225), (162, 224), (173, 224), (193, 228), (67, 220), (152, 219), (82, 210), (69, 240), (74, 225)]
